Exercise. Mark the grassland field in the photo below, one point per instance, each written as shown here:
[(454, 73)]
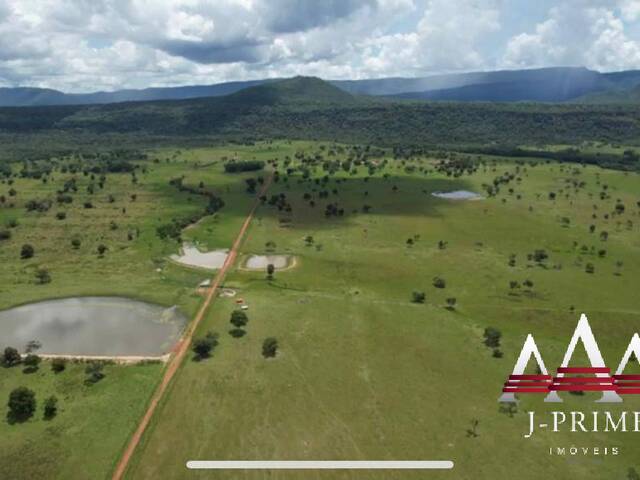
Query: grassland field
[(362, 372)]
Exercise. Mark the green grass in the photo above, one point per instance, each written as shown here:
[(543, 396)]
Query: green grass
[(84, 441), (90, 429), (362, 372)]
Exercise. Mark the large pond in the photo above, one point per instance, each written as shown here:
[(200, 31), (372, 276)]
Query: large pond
[(100, 326)]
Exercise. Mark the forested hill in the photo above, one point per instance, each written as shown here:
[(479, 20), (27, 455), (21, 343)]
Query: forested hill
[(551, 84), (309, 108)]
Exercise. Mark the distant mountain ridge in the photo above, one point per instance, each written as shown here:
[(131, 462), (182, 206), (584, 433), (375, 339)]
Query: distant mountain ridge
[(556, 84), (308, 108)]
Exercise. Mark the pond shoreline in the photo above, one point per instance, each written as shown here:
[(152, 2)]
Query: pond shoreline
[(95, 327), (119, 359)]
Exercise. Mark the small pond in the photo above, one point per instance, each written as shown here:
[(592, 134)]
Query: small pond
[(260, 262), (100, 326), (458, 195), (192, 257)]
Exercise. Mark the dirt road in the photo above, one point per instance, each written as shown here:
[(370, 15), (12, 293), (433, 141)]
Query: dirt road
[(182, 348)]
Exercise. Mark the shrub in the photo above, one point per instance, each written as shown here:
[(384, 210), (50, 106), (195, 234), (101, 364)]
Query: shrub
[(32, 360), (418, 297), (94, 371), (27, 251), (22, 404), (202, 347), (58, 365), (492, 337), (269, 347), (239, 319), (11, 357), (439, 282)]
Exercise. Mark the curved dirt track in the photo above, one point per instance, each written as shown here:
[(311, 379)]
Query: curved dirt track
[(183, 345)]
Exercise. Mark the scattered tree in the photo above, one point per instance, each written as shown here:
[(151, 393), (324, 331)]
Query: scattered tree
[(239, 318), (439, 282), (94, 371), (11, 357), (492, 337), (203, 347), (22, 404), (418, 297), (31, 361), (269, 347), (27, 251), (58, 365)]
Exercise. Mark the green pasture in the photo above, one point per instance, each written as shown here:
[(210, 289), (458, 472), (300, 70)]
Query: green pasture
[(362, 372)]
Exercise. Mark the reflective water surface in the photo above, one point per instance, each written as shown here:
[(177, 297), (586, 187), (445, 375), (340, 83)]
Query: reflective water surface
[(260, 262), (107, 326), (458, 195)]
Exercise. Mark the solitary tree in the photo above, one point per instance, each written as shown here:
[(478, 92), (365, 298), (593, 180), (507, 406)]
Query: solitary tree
[(202, 347), (238, 318), (27, 251), (10, 357), (270, 270), (492, 337), (439, 282), (22, 404), (269, 347), (418, 297)]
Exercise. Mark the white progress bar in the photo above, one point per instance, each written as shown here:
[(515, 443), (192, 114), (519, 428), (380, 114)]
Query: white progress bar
[(320, 464)]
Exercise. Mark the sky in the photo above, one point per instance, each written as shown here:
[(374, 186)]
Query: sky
[(91, 45)]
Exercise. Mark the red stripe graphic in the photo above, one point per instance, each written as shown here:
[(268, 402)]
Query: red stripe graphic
[(584, 370), (627, 377), (608, 381), (585, 388)]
